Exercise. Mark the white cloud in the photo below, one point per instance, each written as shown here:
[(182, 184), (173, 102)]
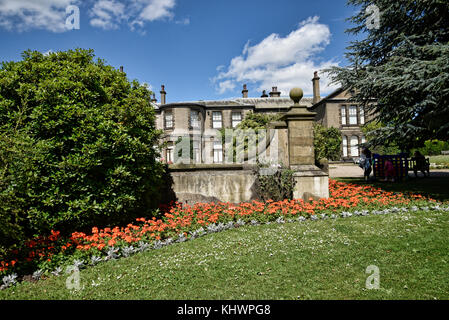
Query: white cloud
[(23, 15), (107, 14), (185, 21), (156, 9), (285, 62), (226, 85)]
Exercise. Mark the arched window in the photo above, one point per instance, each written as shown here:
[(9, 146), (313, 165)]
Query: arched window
[(345, 146), (354, 146)]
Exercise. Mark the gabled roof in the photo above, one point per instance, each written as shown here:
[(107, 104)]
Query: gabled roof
[(329, 97)]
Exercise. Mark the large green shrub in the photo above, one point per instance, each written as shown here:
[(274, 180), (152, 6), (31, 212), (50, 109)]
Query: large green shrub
[(76, 145), (327, 143), (433, 147)]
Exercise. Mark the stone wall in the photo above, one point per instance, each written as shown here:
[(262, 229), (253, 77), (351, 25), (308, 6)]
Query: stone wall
[(213, 183)]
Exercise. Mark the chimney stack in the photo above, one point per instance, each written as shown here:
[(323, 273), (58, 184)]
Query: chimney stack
[(245, 91), (275, 93), (121, 68), (264, 94), (163, 94), (316, 88)]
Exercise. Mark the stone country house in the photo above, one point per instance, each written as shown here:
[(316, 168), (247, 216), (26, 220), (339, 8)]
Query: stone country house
[(202, 120)]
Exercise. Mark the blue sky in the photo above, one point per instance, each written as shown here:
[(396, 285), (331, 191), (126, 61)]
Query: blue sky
[(199, 49)]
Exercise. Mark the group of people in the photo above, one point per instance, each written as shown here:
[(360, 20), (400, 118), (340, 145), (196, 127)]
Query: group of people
[(366, 161)]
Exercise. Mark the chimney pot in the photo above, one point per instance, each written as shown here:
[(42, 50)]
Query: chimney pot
[(275, 93), (121, 68), (245, 91)]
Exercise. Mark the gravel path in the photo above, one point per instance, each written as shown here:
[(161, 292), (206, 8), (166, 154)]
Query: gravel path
[(354, 171)]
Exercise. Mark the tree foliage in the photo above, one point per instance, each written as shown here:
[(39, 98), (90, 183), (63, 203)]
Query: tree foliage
[(76, 145), (388, 148), (404, 66)]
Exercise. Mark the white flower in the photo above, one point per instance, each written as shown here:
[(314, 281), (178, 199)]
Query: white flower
[(78, 263), (10, 280), (57, 271), (37, 274), (94, 260)]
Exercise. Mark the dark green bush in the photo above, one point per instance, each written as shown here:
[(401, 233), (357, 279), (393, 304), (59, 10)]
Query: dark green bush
[(327, 143), (433, 147), (274, 182), (76, 145)]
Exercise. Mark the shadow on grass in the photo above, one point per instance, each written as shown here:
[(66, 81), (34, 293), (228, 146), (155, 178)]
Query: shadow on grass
[(436, 186)]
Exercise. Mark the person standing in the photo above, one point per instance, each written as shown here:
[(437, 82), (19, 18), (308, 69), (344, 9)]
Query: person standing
[(389, 170), (366, 162)]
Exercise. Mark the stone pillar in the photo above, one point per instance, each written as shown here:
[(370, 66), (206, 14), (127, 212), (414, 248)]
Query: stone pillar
[(311, 181)]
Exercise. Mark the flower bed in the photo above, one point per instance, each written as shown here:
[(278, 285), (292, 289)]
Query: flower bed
[(182, 222)]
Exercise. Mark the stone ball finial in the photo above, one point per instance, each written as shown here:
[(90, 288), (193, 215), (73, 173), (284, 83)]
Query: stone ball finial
[(296, 95)]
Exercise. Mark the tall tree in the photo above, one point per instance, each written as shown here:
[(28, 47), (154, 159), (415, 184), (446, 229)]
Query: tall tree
[(402, 61)]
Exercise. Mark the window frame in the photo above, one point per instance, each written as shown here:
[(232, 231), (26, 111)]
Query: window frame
[(345, 146), (169, 112), (217, 121), (353, 116), (343, 115), (217, 152), (354, 147), (191, 118), (232, 118)]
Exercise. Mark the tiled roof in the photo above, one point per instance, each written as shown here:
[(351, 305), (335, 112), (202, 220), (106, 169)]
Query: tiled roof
[(257, 103)]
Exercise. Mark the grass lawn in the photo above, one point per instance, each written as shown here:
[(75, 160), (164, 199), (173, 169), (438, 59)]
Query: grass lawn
[(324, 259), (440, 160), (435, 187)]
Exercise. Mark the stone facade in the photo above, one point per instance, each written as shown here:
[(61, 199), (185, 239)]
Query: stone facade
[(336, 111), (202, 120)]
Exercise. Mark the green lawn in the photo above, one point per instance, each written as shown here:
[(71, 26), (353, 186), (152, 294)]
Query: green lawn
[(308, 260), (435, 187), (440, 160)]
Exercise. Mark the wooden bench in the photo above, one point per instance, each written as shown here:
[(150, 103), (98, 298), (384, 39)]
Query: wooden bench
[(412, 164), (402, 165)]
